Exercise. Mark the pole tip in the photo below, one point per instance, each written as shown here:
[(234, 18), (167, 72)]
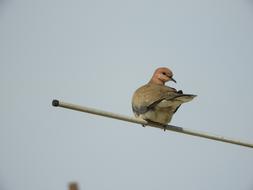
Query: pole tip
[(55, 103)]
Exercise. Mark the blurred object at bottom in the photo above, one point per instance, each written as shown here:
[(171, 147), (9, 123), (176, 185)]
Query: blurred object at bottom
[(73, 186)]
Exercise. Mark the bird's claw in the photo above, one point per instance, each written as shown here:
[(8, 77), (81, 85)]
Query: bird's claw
[(156, 123)]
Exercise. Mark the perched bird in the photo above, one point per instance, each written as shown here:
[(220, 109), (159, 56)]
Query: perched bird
[(157, 103)]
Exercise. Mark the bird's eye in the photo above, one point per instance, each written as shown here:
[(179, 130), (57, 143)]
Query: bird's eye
[(164, 73)]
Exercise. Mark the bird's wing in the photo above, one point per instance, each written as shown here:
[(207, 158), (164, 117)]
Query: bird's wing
[(172, 101), (149, 96)]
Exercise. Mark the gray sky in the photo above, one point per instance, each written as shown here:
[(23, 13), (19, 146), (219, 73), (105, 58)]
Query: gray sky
[(96, 53)]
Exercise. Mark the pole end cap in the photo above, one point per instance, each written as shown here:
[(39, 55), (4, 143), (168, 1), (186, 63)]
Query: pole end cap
[(55, 103)]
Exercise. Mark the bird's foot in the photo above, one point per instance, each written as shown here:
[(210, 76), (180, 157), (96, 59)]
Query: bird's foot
[(164, 126)]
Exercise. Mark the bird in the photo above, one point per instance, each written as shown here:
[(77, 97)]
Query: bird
[(157, 103)]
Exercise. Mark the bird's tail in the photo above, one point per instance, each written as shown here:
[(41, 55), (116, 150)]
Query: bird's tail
[(184, 97)]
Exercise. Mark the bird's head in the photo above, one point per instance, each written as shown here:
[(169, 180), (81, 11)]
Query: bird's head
[(162, 75)]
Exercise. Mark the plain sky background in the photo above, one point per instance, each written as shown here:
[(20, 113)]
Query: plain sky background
[(96, 53)]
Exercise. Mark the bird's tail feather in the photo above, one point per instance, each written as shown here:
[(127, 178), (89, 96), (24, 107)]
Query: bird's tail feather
[(184, 97)]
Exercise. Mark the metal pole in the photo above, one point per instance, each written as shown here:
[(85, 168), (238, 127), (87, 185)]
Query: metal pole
[(58, 103)]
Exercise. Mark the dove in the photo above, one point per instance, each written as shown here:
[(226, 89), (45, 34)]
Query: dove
[(157, 103)]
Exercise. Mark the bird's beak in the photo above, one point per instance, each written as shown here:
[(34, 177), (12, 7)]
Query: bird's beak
[(173, 80)]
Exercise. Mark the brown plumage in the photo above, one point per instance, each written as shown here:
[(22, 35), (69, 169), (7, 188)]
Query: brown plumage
[(156, 102)]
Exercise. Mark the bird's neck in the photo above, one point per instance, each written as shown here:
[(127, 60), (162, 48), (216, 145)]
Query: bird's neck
[(156, 81)]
